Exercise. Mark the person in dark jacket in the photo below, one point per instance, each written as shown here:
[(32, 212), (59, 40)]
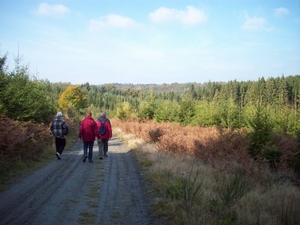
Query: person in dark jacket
[(59, 129), (103, 138), (87, 133)]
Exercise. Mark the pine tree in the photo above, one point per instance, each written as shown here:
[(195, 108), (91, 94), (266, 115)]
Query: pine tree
[(261, 130)]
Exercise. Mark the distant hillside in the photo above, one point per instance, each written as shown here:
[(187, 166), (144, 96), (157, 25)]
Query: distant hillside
[(174, 87)]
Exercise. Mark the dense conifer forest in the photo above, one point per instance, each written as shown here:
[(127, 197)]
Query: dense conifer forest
[(232, 104), (264, 107)]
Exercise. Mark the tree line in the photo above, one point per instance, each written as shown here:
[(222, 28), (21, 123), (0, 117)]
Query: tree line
[(231, 104), (263, 107)]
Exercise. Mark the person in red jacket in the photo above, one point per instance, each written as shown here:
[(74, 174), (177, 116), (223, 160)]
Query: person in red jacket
[(87, 133), (105, 136)]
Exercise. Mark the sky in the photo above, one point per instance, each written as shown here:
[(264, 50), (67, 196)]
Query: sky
[(152, 41)]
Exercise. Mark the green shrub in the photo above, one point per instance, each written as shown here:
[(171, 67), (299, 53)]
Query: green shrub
[(272, 154), (261, 130), (296, 158), (228, 193)]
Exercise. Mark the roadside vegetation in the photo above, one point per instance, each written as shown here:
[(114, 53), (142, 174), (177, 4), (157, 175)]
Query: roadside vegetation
[(205, 176), (26, 110), (26, 146)]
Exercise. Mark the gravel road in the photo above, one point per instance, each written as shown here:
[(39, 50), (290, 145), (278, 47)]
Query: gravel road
[(68, 191)]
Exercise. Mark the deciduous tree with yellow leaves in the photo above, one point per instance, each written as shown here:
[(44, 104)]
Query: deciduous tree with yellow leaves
[(73, 96)]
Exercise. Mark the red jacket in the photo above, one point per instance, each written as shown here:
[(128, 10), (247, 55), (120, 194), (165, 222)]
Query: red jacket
[(88, 129), (108, 134)]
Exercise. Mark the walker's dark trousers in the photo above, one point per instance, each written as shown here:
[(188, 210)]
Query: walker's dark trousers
[(105, 143), (60, 144)]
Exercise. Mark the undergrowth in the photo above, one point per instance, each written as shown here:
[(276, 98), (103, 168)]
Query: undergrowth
[(25, 146), (215, 181)]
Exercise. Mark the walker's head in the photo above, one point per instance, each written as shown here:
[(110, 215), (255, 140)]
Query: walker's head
[(59, 114)]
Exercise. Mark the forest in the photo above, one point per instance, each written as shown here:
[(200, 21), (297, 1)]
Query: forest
[(264, 107)]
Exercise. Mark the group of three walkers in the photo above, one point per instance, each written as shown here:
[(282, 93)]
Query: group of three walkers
[(88, 133)]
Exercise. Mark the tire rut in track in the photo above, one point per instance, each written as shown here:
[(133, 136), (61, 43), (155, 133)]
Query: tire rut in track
[(123, 195)]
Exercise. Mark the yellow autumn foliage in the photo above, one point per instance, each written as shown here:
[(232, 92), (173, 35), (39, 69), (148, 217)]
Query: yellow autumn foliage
[(73, 96)]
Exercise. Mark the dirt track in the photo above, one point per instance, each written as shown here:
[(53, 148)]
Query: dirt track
[(68, 191)]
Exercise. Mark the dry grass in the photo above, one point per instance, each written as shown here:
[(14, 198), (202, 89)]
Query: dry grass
[(226, 185), (23, 145), (22, 140), (223, 149)]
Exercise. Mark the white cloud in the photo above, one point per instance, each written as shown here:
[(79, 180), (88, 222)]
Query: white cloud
[(190, 16), (255, 23), (113, 21), (46, 9), (281, 12)]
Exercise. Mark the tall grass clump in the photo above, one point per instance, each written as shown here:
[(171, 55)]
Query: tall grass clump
[(228, 191)]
